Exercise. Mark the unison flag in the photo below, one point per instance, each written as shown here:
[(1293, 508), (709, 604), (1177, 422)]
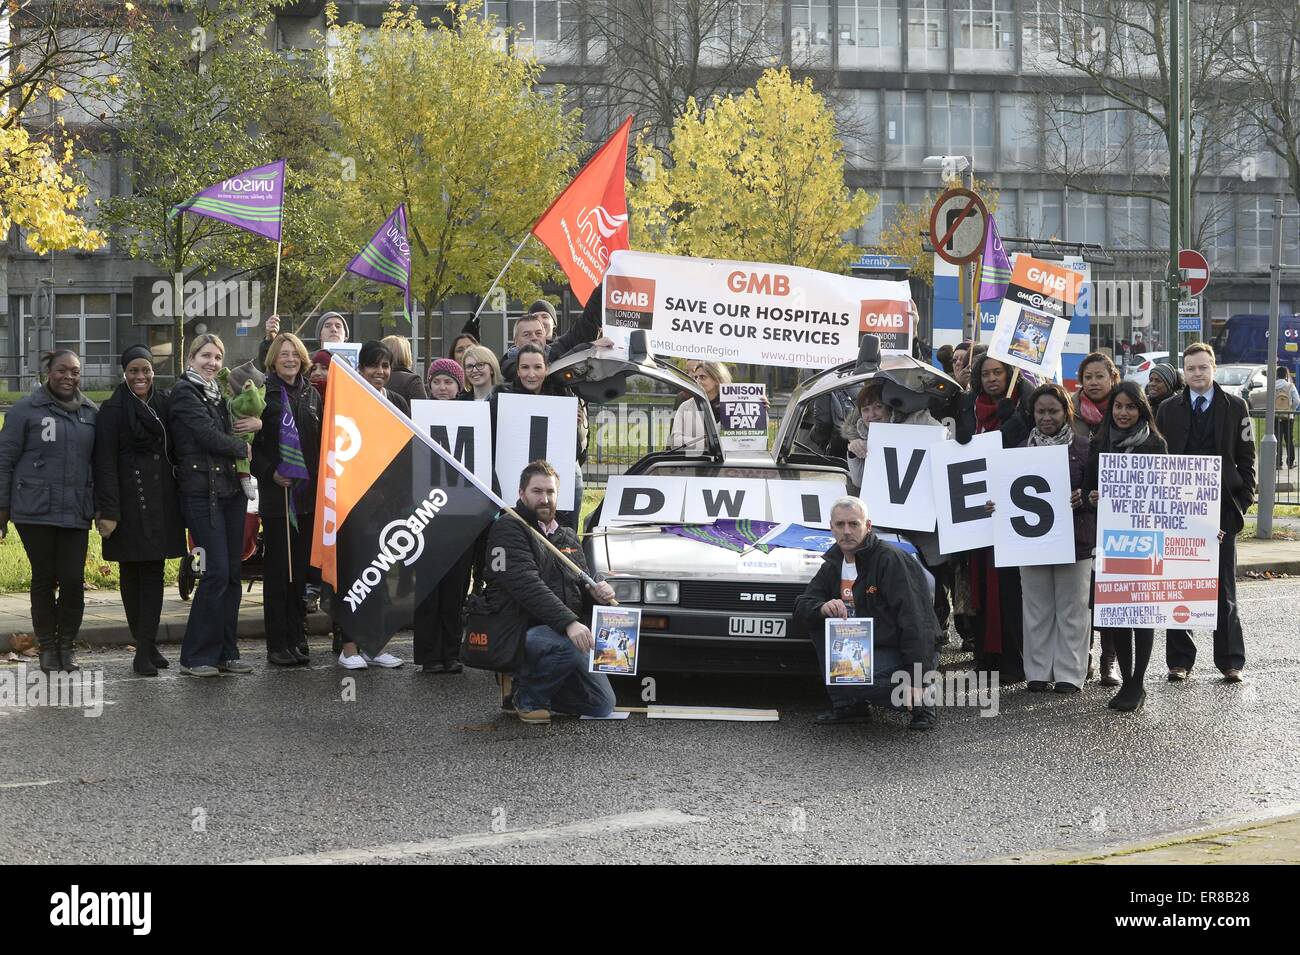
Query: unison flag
[(588, 221), (387, 257), (252, 200), (394, 512), (995, 266)]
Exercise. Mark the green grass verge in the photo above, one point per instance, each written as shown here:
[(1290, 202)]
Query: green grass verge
[(16, 571)]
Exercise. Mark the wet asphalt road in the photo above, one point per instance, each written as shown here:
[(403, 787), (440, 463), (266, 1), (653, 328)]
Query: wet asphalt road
[(277, 764)]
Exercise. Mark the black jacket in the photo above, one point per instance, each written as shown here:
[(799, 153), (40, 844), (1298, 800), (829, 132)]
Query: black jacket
[(1234, 438), (531, 576), (134, 481), (891, 589), (1017, 421), (266, 448), (407, 384), (206, 450)]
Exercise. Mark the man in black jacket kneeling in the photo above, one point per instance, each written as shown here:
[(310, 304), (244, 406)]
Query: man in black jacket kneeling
[(554, 677), (863, 576)]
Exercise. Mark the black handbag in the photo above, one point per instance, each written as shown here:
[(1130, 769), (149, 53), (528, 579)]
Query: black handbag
[(494, 637), (495, 629)]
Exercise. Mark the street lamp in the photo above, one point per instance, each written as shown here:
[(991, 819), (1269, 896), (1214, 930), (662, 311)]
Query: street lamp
[(950, 167)]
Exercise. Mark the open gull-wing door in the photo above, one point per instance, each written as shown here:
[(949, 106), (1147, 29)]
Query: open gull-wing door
[(600, 375), (910, 385)]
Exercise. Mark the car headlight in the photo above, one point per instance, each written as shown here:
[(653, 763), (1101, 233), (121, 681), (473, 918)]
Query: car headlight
[(662, 591), (627, 590)]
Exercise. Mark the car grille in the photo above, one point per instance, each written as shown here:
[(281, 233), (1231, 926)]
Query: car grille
[(725, 595)]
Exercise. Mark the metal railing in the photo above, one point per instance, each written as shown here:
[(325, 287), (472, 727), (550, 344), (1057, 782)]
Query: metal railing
[(1287, 467), (618, 435)]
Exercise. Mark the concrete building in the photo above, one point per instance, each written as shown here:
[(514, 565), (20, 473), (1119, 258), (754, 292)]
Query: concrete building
[(912, 78)]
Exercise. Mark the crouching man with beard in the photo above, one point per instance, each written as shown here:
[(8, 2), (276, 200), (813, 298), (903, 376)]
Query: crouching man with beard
[(863, 576), (554, 678)]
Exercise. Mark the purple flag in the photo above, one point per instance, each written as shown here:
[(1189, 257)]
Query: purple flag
[(387, 256), (252, 200), (995, 267)]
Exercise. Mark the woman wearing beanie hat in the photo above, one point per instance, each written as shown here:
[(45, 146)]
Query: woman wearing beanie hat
[(444, 373), (1164, 382), (437, 618), (136, 499)]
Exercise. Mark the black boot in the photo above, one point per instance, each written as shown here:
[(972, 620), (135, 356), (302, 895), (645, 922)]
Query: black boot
[(67, 655), (156, 657), (143, 663), (49, 648)]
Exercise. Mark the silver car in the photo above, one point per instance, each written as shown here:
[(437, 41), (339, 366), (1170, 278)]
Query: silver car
[(702, 610)]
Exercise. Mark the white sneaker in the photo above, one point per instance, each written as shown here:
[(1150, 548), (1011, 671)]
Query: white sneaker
[(386, 660), (357, 662)]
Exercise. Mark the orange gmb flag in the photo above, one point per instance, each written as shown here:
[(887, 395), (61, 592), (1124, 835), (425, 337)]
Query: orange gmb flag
[(394, 511), (588, 222)]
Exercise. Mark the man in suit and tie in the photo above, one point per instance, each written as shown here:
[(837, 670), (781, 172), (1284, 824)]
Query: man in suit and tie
[(1205, 419)]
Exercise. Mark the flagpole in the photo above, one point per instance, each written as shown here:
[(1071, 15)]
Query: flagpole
[(275, 301), (327, 294), (509, 262)]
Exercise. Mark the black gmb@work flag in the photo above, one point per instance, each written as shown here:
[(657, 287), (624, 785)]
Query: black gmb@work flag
[(394, 512)]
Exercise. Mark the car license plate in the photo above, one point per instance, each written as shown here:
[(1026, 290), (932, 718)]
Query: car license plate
[(756, 627)]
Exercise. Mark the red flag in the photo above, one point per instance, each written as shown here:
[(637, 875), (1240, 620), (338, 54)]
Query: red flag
[(588, 222)]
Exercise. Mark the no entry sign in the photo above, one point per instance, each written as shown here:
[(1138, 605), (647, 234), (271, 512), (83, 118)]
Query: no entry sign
[(957, 224), (1197, 270)]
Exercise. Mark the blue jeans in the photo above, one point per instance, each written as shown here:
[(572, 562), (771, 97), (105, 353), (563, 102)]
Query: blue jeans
[(888, 661), (555, 678), (214, 609)]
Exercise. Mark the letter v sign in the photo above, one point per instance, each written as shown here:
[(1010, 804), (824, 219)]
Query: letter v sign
[(899, 491)]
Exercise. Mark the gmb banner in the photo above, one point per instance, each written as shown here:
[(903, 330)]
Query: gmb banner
[(1157, 541), (1035, 316), (751, 313)]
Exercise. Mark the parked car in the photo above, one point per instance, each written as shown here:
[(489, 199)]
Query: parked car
[(1139, 367), (701, 609), (1241, 380)]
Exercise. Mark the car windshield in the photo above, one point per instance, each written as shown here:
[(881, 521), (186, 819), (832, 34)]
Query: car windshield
[(1233, 376)]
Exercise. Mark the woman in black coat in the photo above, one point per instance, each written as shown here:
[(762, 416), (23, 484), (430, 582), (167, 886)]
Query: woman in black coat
[(286, 495), (1128, 428), (214, 505), (995, 591), (137, 503)]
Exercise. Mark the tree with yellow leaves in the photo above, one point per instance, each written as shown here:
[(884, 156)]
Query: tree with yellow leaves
[(444, 119), (40, 191), (756, 177)]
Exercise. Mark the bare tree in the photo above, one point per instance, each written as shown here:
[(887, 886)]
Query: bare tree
[(1268, 62), (68, 44), (1104, 65)]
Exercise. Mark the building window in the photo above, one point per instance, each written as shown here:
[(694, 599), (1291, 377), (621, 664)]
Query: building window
[(962, 124), (1006, 214), (885, 212), (1130, 216), (1087, 219), (84, 323), (859, 126), (1041, 25), (868, 23), (810, 23), (1255, 232), (1042, 214), (544, 21), (927, 25), (1019, 130), (983, 24), (904, 126)]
